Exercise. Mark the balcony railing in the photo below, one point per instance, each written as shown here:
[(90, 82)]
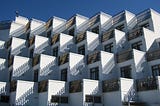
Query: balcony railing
[(153, 55), (81, 37), (94, 20), (28, 26), (13, 86), (49, 23), (124, 56), (94, 57), (143, 16), (63, 59), (93, 99), (75, 86), (70, 22), (36, 60), (107, 35), (31, 41), (42, 86), (55, 39), (8, 43), (135, 33), (118, 18), (147, 84), (110, 85), (4, 99), (59, 99)]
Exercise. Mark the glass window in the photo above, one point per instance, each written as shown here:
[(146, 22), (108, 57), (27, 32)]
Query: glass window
[(137, 45), (36, 75), (64, 74), (94, 73), (55, 51), (71, 32), (109, 48), (156, 70), (95, 30), (126, 71), (120, 27), (42, 86), (4, 99), (75, 86), (81, 50), (49, 34)]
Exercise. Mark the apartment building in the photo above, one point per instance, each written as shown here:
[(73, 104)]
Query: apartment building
[(102, 60)]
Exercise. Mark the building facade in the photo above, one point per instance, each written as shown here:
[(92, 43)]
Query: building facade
[(103, 60)]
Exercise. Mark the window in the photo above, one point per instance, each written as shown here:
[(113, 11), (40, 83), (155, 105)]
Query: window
[(75, 86), (59, 99), (94, 73), (93, 99), (13, 86), (95, 30), (137, 45), (63, 59), (49, 34), (64, 74), (110, 85), (120, 27), (42, 86), (156, 70), (109, 48), (126, 72), (4, 99), (31, 53), (146, 25), (93, 57), (81, 50), (35, 75), (71, 32), (36, 60), (55, 51)]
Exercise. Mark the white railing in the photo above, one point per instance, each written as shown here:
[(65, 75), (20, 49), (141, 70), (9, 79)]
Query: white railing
[(2, 66), (60, 28), (131, 95), (108, 66), (132, 23), (40, 29), (3, 89), (74, 70), (24, 98), (83, 27), (121, 42), (92, 46), (21, 70), (40, 48), (18, 31), (46, 69), (17, 50), (107, 24), (2, 44), (65, 46)]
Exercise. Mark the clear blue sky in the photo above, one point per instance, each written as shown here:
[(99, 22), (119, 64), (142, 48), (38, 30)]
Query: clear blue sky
[(44, 9)]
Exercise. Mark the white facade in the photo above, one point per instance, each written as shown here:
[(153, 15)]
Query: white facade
[(99, 61)]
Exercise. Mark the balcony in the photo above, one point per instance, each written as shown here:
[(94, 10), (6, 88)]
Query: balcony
[(154, 55), (147, 84), (55, 39), (80, 37), (70, 22), (124, 56), (135, 33), (111, 85), (59, 99), (93, 99), (107, 35), (13, 86), (42, 86), (94, 20), (31, 41), (143, 16), (35, 60), (4, 99), (8, 43), (49, 23), (94, 57), (119, 18), (75, 86), (63, 59)]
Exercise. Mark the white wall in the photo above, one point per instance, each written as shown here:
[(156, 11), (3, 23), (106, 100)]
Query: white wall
[(80, 19), (58, 22), (76, 99), (21, 20), (16, 42), (40, 40), (104, 17), (43, 99)]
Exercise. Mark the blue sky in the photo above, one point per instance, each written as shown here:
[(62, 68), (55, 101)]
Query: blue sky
[(44, 9)]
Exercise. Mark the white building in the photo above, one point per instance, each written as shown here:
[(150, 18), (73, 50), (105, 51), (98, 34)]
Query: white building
[(99, 61)]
